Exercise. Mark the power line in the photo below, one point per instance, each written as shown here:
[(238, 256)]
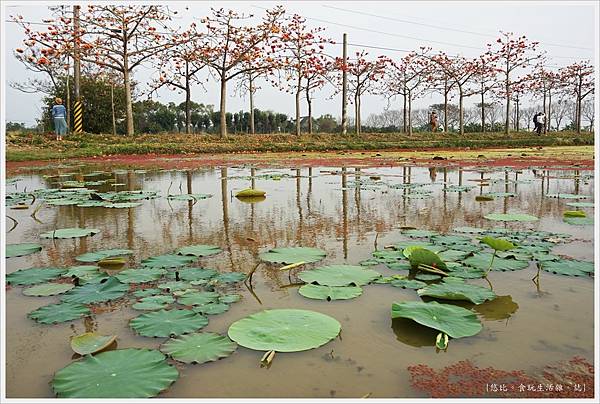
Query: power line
[(446, 28)]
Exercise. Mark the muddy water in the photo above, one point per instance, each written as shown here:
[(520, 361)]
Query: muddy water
[(318, 206)]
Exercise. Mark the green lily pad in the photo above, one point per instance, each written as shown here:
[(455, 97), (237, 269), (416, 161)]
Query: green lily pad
[(59, 313), (453, 320), (482, 262), (232, 298), (574, 213), (329, 293), (422, 256), (567, 196), (453, 255), (199, 347), (406, 283), (284, 330), (102, 254), (69, 233), (581, 204), (96, 292), (500, 194), (579, 221), (498, 244), (32, 276), (48, 289), (458, 291), (166, 323), (399, 266), (230, 277), (339, 275), (198, 298), (188, 197), (122, 373), (147, 292), (140, 275), (199, 250), (292, 255), (155, 302), (19, 250), (196, 274), (450, 239), (416, 233), (466, 272), (90, 342), (175, 285), (511, 217), (85, 274), (249, 193), (168, 261), (470, 230), (427, 277), (569, 267), (211, 308)]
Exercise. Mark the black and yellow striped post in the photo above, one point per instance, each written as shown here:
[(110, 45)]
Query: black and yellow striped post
[(78, 117)]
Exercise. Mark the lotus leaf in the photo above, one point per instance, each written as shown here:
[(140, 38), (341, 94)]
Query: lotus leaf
[(453, 320), (19, 250), (566, 196), (291, 255), (166, 323), (574, 213), (32, 276), (284, 330), (339, 275), (330, 292), (199, 347), (69, 233), (569, 267), (406, 283), (86, 274), (498, 244), (453, 255), (48, 289), (155, 302), (89, 293), (403, 245), (230, 277), (427, 277), (198, 298), (175, 285), (195, 274), (140, 275), (450, 240), (189, 197), (59, 313), (458, 291), (147, 292), (168, 261), (470, 230), (90, 342), (466, 272), (199, 250), (416, 233), (249, 192), (579, 221), (482, 261), (100, 255), (388, 255), (229, 298), (581, 204), (500, 194), (122, 205), (502, 307), (511, 217), (399, 266), (422, 256), (122, 373), (211, 308)]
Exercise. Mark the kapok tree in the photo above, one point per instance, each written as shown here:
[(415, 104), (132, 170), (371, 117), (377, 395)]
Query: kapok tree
[(484, 80), (441, 82), (231, 46), (178, 68), (302, 61), (579, 81), (363, 74), (544, 82), (512, 54)]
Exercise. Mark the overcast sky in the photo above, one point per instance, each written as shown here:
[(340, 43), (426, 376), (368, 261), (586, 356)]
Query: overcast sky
[(564, 29)]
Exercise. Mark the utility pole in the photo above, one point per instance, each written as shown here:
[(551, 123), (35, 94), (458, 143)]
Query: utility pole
[(344, 87), (78, 120)]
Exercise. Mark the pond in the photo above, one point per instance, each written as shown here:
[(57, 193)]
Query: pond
[(348, 212)]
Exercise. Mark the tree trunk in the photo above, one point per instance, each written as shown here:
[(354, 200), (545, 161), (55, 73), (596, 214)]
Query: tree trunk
[(112, 106), (507, 114), (68, 104), (252, 131), (461, 122), (578, 114), (482, 113), (548, 126), (356, 118), (223, 121), (127, 83), (309, 104), (409, 115), (517, 114), (446, 106), (404, 114), (544, 109), (188, 97)]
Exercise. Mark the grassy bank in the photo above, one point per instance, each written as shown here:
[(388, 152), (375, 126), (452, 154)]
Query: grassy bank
[(25, 147)]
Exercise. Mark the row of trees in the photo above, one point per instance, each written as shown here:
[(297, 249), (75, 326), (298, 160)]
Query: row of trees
[(115, 41)]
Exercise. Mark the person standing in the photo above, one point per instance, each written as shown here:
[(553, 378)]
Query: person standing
[(535, 122), (59, 115), (541, 123), (433, 121)]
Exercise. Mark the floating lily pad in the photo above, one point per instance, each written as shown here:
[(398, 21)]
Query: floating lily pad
[(416, 233), (450, 239), (232, 298), (292, 255), (199, 250), (399, 266), (85, 274), (569, 267), (579, 221), (140, 275), (122, 373), (90, 342), (249, 193), (167, 323), (458, 291), (96, 292), (59, 313), (168, 261), (406, 283), (48, 289), (102, 254), (175, 285), (339, 275), (482, 262), (330, 292), (498, 244), (581, 204), (230, 277), (189, 197), (511, 217), (195, 274), (32, 276), (574, 213), (567, 196), (211, 308), (422, 256), (19, 250), (453, 320), (453, 255), (500, 194), (284, 330), (199, 347), (69, 233), (198, 298), (147, 292), (466, 272), (427, 277), (155, 302)]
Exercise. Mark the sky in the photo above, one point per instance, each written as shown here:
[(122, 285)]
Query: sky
[(564, 29)]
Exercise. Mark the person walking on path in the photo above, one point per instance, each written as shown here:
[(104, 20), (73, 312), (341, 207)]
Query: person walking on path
[(433, 121), (59, 115)]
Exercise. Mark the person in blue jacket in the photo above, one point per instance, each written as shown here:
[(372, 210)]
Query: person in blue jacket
[(59, 114)]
